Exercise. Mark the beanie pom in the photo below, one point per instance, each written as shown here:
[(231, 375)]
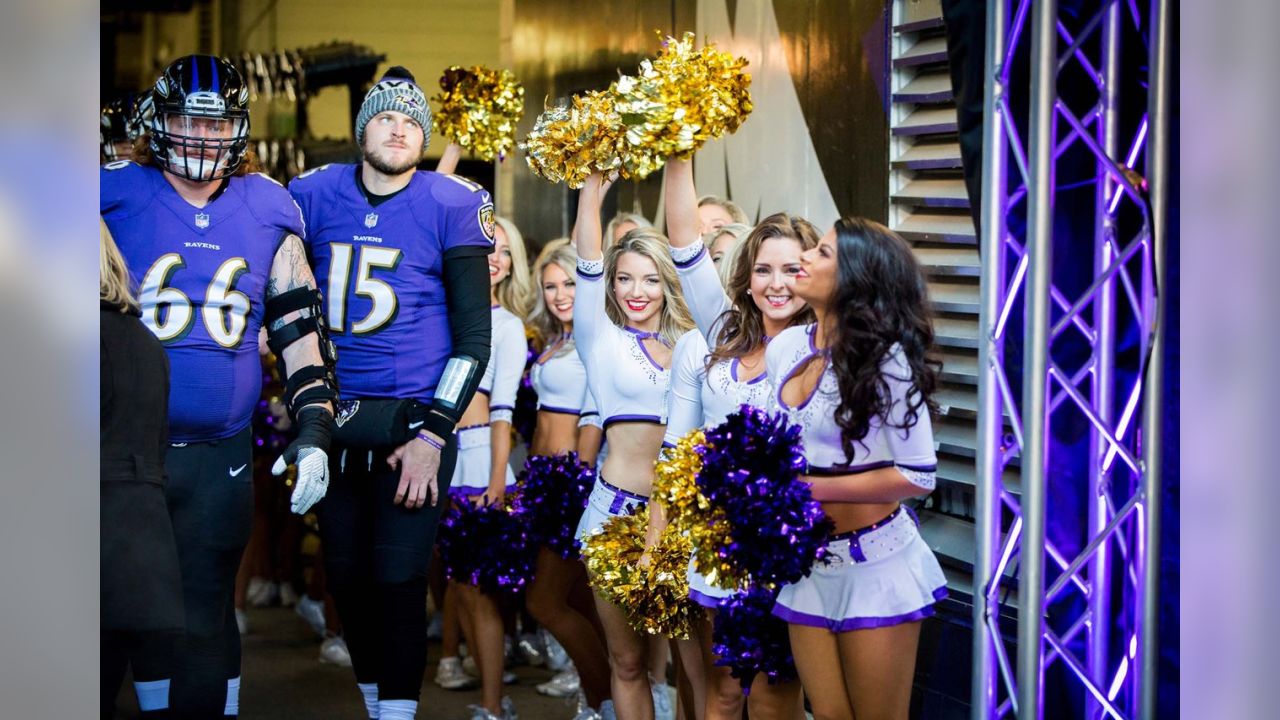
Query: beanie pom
[(398, 72)]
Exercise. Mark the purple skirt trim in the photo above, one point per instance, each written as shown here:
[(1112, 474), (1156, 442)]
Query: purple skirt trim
[(863, 623)]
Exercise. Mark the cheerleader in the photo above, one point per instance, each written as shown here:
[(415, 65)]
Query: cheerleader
[(483, 473), (720, 367), (714, 213), (558, 596), (722, 245), (621, 224), (627, 316), (859, 383)]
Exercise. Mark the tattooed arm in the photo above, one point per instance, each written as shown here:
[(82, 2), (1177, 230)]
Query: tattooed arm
[(289, 270)]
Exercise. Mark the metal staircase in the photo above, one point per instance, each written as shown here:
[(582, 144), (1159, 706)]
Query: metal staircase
[(929, 207)]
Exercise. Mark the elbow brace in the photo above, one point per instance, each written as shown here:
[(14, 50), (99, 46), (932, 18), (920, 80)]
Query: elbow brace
[(307, 302), (458, 383)]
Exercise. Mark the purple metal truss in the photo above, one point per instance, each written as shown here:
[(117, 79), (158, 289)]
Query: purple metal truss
[(1124, 518)]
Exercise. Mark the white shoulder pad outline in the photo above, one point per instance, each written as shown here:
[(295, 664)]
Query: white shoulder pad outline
[(313, 171)]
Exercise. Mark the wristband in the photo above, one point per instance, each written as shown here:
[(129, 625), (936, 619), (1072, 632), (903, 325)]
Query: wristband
[(430, 441)]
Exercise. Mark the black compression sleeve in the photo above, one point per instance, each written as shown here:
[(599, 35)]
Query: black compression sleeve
[(466, 287)]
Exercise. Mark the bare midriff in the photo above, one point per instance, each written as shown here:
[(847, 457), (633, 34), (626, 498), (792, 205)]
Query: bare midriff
[(854, 516), (633, 450), (555, 434), (477, 412)]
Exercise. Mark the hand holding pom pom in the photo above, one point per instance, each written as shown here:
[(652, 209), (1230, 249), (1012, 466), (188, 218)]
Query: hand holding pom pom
[(751, 466)]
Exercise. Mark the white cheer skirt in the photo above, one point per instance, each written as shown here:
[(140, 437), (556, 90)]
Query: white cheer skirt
[(471, 473), (881, 575), (702, 591), (605, 502)]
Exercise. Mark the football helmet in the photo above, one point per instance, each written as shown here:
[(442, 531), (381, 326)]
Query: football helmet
[(200, 126), (113, 133)]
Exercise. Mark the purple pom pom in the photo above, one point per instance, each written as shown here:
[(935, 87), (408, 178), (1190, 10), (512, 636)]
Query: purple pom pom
[(485, 546), (751, 465), (748, 639), (550, 497)]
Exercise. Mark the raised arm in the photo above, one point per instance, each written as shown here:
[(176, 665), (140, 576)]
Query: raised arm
[(589, 317), (698, 278), (681, 199), (587, 232), (449, 159)]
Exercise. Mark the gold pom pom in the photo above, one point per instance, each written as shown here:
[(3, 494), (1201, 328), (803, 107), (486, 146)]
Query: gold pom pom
[(569, 142), (689, 511), (682, 98), (479, 109), (655, 599)]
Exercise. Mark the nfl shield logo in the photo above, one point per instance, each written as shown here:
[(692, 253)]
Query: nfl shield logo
[(370, 220), (202, 220)]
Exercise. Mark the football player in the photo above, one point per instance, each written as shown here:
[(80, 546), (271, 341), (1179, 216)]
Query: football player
[(216, 252), (403, 258)]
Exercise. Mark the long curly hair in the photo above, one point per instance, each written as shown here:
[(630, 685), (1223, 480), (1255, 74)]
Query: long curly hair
[(880, 299), (674, 318), (742, 325), (545, 325)]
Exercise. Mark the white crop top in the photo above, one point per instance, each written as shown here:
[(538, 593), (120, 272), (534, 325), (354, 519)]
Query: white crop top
[(911, 451), (560, 380), (508, 349), (700, 283), (626, 382), (702, 398)]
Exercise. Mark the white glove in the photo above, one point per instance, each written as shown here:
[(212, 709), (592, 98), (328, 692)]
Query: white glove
[(313, 477)]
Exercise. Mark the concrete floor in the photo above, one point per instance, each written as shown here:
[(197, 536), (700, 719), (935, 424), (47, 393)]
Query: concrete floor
[(284, 680)]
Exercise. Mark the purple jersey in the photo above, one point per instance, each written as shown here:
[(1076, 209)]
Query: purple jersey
[(380, 271), (202, 276)]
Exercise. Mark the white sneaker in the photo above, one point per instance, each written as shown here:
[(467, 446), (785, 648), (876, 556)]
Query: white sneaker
[(531, 650), (313, 612), (587, 713), (288, 596), (334, 651), (509, 657), (451, 676), (509, 709), (479, 713), (262, 592), (469, 666), (563, 685), (662, 709), (557, 658), (242, 621), (607, 711)]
